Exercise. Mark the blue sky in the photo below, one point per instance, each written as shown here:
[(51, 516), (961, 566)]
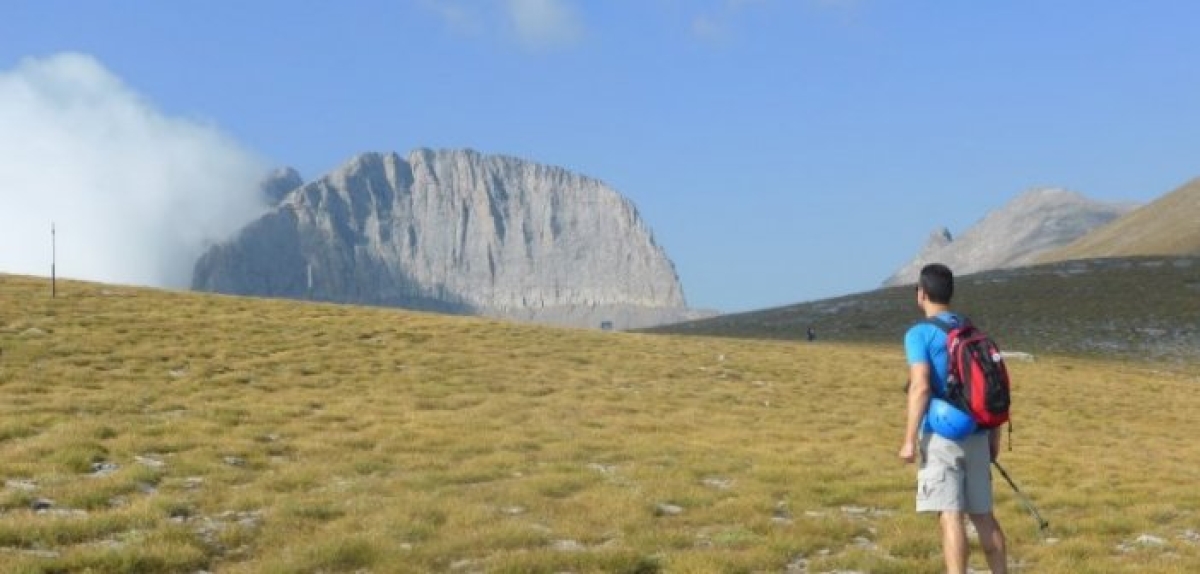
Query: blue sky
[(781, 150)]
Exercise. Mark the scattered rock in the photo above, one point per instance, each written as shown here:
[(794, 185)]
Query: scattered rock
[(864, 512), (568, 546), (50, 554), (1143, 541), (63, 512), (149, 461), (458, 565), (209, 528), (1150, 540), (40, 504), (864, 542), (104, 468), (602, 468), (665, 509), (781, 514), (235, 461), (21, 484), (718, 483)]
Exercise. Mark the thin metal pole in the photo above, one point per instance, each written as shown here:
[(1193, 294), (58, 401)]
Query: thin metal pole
[(1042, 523), (53, 263)]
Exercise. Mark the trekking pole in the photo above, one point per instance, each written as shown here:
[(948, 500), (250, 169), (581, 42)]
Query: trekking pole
[(1042, 524)]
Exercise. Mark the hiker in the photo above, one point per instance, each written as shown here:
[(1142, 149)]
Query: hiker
[(954, 476), (812, 335)]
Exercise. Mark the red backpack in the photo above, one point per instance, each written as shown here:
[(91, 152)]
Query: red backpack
[(977, 382)]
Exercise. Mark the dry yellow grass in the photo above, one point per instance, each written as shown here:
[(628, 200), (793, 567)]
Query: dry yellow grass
[(179, 432)]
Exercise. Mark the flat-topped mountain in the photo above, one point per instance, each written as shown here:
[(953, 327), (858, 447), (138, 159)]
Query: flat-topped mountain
[(456, 232)]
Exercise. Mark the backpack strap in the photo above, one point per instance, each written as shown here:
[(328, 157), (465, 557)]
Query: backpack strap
[(944, 326)]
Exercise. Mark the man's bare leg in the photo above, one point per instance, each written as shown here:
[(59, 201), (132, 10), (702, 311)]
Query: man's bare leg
[(954, 542), (991, 537)]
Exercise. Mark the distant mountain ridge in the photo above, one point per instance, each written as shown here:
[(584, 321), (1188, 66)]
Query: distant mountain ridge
[(1015, 235), (460, 232), (1073, 307), (1170, 225)]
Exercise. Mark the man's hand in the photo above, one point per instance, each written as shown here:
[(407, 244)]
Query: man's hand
[(994, 443), (908, 452)]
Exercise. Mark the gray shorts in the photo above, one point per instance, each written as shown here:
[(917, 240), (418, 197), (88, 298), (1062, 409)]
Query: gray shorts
[(955, 476)]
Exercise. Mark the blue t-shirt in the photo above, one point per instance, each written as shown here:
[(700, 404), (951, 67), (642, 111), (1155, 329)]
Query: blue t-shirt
[(926, 343)]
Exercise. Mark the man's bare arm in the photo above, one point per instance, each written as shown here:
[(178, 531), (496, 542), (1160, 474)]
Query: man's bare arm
[(918, 402)]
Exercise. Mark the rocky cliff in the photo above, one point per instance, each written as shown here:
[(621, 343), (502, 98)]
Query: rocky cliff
[(456, 232), (1014, 235)]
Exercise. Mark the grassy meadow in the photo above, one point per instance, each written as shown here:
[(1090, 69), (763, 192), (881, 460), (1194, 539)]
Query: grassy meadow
[(153, 431)]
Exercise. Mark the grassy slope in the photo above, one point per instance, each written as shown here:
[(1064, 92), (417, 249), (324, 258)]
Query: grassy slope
[(1142, 308), (268, 436), (1166, 226)]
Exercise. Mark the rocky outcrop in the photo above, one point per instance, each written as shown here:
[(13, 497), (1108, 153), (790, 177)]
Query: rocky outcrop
[(456, 232), (279, 183), (1015, 235)]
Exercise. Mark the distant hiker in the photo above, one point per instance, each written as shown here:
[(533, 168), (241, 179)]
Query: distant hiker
[(954, 475), (812, 335)]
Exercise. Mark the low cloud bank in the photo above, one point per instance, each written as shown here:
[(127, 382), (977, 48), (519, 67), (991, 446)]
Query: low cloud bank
[(135, 196)]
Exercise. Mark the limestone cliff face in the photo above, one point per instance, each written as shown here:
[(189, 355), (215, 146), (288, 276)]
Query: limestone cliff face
[(458, 232), (1015, 235)]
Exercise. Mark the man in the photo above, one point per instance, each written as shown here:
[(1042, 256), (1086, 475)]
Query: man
[(954, 477)]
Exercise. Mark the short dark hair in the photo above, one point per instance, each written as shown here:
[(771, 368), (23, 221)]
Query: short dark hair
[(937, 281)]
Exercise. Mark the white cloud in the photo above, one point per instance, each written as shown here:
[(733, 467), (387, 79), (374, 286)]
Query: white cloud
[(544, 23), (135, 195)]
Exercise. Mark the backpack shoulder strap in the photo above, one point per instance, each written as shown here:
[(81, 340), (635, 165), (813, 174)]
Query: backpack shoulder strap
[(947, 327), (940, 324)]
